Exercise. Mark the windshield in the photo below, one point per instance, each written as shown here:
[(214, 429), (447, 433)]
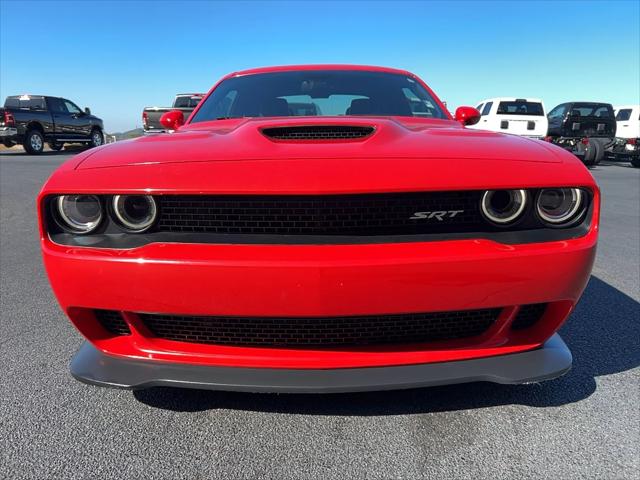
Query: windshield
[(520, 107), (319, 93)]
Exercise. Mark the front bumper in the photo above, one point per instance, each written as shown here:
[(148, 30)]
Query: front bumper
[(153, 131), (319, 281), (549, 361)]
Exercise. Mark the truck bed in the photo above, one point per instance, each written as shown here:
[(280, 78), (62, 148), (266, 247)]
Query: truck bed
[(152, 114), (153, 124)]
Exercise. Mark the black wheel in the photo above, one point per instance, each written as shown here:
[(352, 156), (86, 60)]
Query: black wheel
[(56, 146), (34, 142), (590, 153), (599, 149), (635, 161), (8, 143), (97, 138)]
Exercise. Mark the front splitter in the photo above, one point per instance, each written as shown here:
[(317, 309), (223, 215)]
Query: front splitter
[(91, 366)]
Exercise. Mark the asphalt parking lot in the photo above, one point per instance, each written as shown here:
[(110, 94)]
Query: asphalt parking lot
[(586, 424)]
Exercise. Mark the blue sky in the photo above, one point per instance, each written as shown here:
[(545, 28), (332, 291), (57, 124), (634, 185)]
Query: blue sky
[(119, 56)]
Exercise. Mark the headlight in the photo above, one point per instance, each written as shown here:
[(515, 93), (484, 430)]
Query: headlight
[(78, 213), (503, 206), (135, 212), (559, 205)]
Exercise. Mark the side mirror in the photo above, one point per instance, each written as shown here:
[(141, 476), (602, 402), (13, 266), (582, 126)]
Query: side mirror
[(467, 115), (87, 111), (172, 120)]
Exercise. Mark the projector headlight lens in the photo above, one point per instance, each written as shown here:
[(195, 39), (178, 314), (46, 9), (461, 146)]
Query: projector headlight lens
[(135, 212), (559, 206), (78, 213), (503, 206)]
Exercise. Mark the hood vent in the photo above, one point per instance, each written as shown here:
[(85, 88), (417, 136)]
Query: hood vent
[(318, 132)]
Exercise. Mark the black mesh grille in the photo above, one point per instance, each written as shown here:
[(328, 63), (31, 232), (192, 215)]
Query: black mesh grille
[(112, 322), (368, 214), (318, 132), (322, 332), (528, 315)]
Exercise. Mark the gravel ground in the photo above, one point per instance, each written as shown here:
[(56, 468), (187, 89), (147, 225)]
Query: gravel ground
[(586, 424)]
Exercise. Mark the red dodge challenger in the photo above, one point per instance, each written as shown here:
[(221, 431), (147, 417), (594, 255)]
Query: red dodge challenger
[(319, 229)]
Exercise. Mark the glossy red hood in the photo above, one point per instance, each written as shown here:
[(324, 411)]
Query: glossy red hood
[(393, 138)]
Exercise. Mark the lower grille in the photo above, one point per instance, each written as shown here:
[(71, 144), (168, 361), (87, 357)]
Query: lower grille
[(528, 316), (322, 332), (112, 321)]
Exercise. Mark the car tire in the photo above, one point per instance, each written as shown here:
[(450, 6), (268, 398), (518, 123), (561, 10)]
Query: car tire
[(590, 153), (97, 138), (635, 162), (56, 146), (8, 143), (600, 150), (34, 142)]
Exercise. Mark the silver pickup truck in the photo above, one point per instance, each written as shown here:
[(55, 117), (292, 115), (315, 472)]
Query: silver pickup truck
[(185, 102)]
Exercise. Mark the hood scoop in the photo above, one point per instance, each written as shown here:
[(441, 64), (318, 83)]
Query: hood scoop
[(318, 132)]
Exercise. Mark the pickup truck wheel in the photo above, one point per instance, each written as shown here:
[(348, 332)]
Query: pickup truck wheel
[(8, 143), (97, 138), (590, 153), (34, 142), (56, 146), (600, 150), (635, 161)]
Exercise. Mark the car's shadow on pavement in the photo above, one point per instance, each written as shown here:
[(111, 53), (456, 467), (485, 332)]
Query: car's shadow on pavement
[(46, 153), (614, 163), (602, 334), (71, 149)]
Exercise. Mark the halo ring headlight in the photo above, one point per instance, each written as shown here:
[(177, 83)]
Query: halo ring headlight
[(503, 206), (135, 212), (78, 213), (559, 206)]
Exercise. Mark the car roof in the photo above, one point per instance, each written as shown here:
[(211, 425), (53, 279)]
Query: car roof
[(190, 94), (588, 103), (294, 68), (509, 99), (37, 96)]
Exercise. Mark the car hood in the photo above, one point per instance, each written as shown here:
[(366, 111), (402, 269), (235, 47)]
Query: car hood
[(392, 138)]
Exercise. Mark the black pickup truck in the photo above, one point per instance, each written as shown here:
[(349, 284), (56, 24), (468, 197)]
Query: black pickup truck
[(33, 120), (585, 129), (185, 102)]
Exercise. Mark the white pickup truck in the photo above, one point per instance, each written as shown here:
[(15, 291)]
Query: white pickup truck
[(627, 144), (519, 116)]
